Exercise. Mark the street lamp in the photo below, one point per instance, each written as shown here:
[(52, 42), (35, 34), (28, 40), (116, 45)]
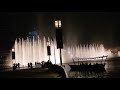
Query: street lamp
[(13, 55), (13, 50), (59, 38), (58, 24)]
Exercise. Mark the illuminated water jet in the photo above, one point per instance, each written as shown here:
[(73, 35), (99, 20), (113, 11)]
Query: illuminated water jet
[(35, 50), (89, 51)]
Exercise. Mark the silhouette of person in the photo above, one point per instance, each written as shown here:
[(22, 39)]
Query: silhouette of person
[(18, 65)]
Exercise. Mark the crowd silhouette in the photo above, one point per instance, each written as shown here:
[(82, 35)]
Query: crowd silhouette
[(88, 67), (16, 65)]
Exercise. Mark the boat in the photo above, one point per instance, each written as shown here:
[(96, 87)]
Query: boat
[(98, 67)]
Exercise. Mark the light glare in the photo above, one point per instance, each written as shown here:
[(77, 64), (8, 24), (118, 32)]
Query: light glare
[(60, 23), (13, 50), (56, 24)]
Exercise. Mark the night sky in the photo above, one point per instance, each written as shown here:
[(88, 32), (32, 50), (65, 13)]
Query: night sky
[(78, 27)]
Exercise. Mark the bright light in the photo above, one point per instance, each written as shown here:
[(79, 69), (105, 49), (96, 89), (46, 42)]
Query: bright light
[(58, 23), (35, 50), (48, 43), (13, 50)]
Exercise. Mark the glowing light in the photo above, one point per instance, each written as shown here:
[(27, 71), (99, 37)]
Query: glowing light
[(13, 50), (58, 23)]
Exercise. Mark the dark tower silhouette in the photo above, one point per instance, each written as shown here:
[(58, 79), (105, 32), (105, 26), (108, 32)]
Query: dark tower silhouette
[(13, 54), (48, 50), (59, 38), (13, 58)]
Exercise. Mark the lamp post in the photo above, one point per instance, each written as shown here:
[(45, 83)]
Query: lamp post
[(48, 49), (13, 55), (59, 38)]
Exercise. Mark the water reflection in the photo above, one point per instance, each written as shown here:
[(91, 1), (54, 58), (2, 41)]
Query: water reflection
[(112, 70), (78, 74)]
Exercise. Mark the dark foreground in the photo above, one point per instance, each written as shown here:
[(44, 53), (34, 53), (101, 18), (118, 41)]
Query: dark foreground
[(54, 71), (112, 70), (30, 73)]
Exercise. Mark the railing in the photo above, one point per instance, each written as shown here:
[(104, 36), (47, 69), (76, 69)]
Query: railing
[(88, 66), (93, 58), (102, 58)]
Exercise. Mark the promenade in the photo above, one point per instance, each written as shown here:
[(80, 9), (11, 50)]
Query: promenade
[(29, 73)]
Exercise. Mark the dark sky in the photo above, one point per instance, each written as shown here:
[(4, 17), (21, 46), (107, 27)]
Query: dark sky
[(78, 27)]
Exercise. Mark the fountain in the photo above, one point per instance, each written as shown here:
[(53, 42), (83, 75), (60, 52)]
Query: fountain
[(89, 51), (35, 50)]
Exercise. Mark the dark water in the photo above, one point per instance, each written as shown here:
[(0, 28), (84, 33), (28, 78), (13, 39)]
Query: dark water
[(112, 67)]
